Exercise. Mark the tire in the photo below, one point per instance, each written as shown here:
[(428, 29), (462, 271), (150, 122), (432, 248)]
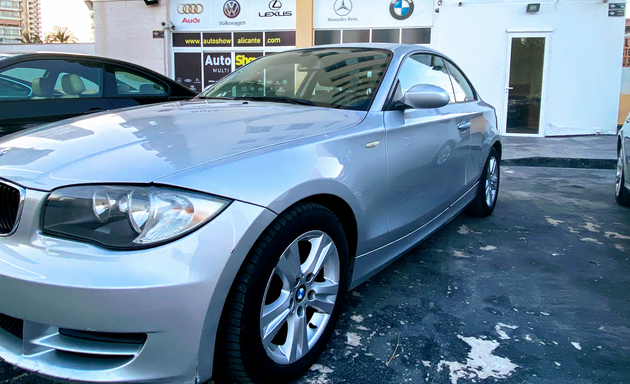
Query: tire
[(488, 188), (621, 193), (286, 298)]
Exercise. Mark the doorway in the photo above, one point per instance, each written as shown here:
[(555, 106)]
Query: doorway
[(527, 63)]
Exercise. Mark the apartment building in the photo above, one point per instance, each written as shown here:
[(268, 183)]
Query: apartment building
[(10, 21), (31, 17), (17, 17)]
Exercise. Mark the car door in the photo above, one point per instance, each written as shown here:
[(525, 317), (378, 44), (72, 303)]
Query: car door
[(427, 152), (126, 87), (479, 115), (58, 89)]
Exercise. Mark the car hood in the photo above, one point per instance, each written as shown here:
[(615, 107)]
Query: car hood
[(140, 145)]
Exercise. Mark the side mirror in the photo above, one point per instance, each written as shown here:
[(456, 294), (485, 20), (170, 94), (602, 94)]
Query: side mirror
[(424, 96)]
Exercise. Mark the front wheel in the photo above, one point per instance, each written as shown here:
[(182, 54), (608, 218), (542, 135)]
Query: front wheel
[(621, 193), (488, 188), (287, 297)]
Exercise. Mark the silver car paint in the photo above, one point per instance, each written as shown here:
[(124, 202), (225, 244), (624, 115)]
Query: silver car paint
[(281, 153)]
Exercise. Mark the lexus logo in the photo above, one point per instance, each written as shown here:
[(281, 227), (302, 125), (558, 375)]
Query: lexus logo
[(190, 9), (231, 8), (275, 5), (343, 7), (4, 150)]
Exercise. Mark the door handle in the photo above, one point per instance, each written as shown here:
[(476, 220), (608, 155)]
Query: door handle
[(464, 125), (93, 110)]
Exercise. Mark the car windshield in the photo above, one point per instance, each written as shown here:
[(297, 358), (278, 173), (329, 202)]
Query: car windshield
[(345, 78)]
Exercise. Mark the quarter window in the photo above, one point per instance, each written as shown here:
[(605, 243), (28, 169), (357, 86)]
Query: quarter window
[(133, 84), (463, 89), (424, 69)]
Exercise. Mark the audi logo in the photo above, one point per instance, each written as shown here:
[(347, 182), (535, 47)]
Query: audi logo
[(231, 8), (190, 9)]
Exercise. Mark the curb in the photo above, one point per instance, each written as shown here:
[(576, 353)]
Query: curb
[(555, 162)]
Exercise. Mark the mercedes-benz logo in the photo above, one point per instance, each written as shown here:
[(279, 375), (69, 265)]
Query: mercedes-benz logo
[(343, 7), (275, 5), (401, 9), (231, 8)]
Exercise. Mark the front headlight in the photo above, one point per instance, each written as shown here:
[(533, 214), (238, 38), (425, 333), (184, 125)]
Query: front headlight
[(127, 216)]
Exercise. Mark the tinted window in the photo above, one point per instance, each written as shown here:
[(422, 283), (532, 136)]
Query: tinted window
[(337, 78), (386, 35), (49, 79), (327, 37), (424, 69), (132, 83), (12, 89), (463, 89)]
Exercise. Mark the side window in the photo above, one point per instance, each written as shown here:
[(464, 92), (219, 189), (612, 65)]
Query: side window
[(52, 79), (130, 83), (463, 89), (425, 69)]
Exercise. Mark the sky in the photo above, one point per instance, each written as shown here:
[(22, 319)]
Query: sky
[(73, 14)]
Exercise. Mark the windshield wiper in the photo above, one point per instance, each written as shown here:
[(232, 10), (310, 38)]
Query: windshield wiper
[(213, 97), (288, 100)]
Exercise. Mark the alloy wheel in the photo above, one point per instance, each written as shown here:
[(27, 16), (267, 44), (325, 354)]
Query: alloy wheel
[(492, 181), (619, 174), (300, 297)]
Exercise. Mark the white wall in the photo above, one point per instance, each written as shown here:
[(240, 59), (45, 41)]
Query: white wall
[(84, 48), (584, 66), (123, 30)]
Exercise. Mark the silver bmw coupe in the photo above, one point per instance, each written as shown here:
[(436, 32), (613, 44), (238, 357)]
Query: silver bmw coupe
[(178, 241)]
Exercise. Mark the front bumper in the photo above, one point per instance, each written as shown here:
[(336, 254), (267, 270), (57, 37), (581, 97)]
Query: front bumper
[(173, 294)]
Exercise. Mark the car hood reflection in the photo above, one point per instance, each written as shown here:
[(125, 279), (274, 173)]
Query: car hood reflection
[(139, 145)]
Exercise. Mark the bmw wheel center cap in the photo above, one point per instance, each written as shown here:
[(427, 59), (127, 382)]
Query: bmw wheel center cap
[(301, 292)]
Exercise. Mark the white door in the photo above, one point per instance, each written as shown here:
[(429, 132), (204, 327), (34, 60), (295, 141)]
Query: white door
[(524, 103)]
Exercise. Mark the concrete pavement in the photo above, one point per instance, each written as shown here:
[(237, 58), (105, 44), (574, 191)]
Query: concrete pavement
[(598, 151)]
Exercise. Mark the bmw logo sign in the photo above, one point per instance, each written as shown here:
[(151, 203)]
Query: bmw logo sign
[(401, 9), (231, 8), (300, 294)]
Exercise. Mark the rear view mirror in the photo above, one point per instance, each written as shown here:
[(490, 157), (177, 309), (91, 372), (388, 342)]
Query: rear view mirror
[(424, 96)]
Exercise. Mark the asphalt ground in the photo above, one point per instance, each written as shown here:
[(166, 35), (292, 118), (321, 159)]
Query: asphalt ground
[(536, 293)]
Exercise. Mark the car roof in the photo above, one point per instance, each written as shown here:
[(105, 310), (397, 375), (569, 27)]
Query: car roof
[(396, 48)]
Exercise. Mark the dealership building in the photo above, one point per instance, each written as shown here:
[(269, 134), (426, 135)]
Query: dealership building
[(550, 68)]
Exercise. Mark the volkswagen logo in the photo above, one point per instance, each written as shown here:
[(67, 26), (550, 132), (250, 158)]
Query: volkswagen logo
[(401, 9), (275, 5), (231, 8), (343, 7), (190, 9)]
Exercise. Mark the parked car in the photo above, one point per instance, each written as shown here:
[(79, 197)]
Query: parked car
[(156, 244), (622, 184), (37, 88)]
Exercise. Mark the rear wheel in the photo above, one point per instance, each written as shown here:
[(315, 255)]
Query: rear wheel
[(621, 193), (488, 188), (287, 297)]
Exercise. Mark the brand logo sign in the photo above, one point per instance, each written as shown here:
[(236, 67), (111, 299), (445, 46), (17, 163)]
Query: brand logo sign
[(190, 9), (275, 7), (343, 7), (401, 9), (231, 9), (3, 151)]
